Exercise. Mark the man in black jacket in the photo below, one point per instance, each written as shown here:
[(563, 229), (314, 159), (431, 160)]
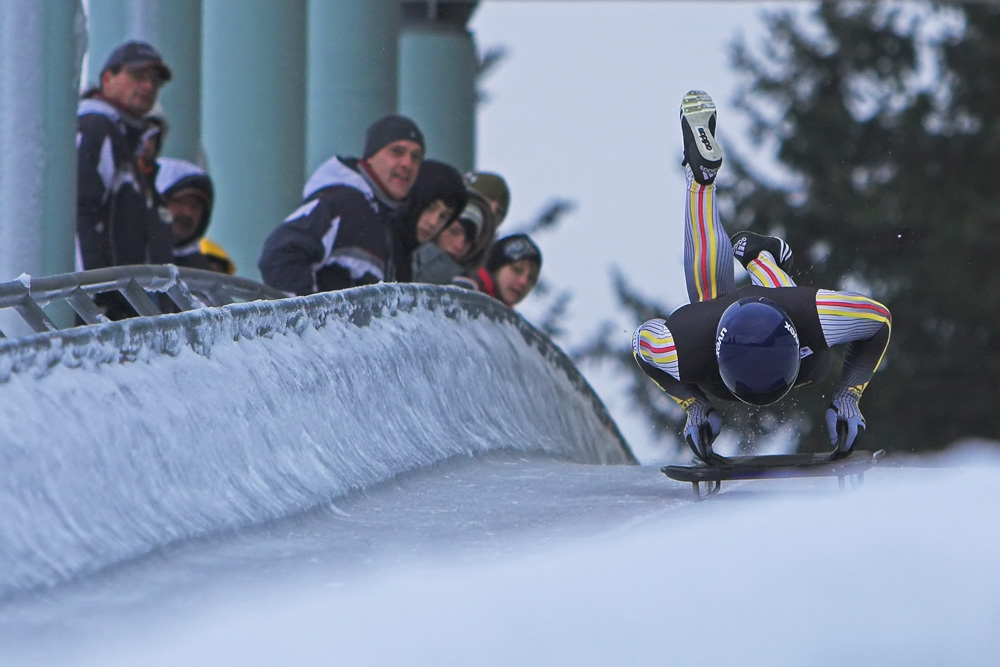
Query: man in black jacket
[(117, 216), (436, 199), (188, 195), (341, 235)]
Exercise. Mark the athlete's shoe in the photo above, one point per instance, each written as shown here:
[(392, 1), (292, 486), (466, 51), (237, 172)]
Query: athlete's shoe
[(701, 149), (747, 246)]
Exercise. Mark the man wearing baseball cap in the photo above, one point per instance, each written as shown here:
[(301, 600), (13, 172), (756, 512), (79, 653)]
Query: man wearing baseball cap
[(342, 234), (117, 216), (132, 76)]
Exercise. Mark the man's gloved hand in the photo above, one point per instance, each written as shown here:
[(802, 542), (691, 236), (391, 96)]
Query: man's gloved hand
[(844, 421), (702, 428)]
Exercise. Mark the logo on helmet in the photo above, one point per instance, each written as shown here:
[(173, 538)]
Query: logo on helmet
[(718, 340), (791, 330)]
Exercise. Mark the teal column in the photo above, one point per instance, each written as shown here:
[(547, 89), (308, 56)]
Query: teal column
[(437, 88), (253, 111), (107, 27), (41, 51), (353, 55), (174, 28)]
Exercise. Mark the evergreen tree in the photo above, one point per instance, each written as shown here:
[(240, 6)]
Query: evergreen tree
[(884, 119)]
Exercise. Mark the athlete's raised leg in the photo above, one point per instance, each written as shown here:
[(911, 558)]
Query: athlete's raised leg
[(766, 258), (708, 252)]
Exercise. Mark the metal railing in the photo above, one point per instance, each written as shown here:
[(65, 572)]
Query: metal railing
[(188, 289)]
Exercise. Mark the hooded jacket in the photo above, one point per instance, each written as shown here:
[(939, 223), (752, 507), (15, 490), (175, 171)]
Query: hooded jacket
[(118, 220), (339, 237), (431, 264), (435, 181), (173, 176)]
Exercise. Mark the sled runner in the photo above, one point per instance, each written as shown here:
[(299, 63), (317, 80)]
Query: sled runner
[(851, 468)]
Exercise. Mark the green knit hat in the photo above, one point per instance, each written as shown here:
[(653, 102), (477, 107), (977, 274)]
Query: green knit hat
[(493, 187)]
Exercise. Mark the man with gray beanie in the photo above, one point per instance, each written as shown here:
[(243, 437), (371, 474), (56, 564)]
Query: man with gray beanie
[(341, 234)]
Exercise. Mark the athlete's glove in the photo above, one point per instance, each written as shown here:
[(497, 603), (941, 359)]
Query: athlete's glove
[(702, 428), (844, 422)]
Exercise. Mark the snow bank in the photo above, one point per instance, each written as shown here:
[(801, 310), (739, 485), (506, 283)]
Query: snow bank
[(118, 439), (901, 572)]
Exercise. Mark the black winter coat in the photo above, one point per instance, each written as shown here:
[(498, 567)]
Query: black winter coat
[(118, 220), (340, 237)]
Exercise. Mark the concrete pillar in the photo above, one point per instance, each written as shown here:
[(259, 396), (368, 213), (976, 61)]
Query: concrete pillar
[(352, 57), (41, 49), (107, 27), (174, 28), (438, 62), (253, 110)]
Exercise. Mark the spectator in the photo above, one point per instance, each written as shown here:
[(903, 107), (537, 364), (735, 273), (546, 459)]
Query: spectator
[(494, 189), (456, 239), (188, 195), (458, 248), (117, 217), (437, 197), (217, 258), (152, 141), (511, 270), (341, 235)]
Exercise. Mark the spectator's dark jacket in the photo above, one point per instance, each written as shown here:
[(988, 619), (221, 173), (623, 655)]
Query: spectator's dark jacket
[(433, 265), (118, 221), (436, 180), (172, 176), (340, 237)]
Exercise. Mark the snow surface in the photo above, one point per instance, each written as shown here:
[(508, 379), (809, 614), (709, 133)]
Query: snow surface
[(118, 439), (392, 479), (523, 561)]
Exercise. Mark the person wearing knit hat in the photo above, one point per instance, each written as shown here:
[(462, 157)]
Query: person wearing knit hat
[(458, 249), (511, 269), (466, 236), (342, 235), (394, 149), (437, 197), (389, 129), (494, 188), (216, 257), (188, 195)]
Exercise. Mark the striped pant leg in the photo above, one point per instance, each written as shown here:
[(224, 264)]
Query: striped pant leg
[(708, 253), (765, 272), (861, 323), (654, 350)]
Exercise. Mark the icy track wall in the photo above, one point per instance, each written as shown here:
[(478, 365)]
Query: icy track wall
[(118, 439)]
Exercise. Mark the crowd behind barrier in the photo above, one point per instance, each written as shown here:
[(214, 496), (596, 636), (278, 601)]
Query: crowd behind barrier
[(389, 215)]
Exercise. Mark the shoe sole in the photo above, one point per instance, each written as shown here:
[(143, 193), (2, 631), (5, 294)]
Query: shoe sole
[(697, 109)]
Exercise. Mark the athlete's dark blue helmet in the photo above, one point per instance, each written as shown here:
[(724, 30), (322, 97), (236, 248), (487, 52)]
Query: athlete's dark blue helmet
[(757, 348)]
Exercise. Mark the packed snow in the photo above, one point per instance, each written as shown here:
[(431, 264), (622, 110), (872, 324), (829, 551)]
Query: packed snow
[(119, 439), (404, 479)]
